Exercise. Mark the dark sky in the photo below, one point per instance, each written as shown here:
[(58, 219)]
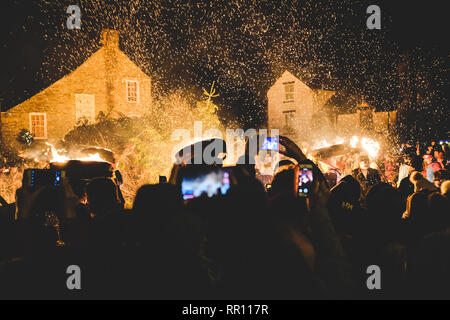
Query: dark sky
[(242, 45)]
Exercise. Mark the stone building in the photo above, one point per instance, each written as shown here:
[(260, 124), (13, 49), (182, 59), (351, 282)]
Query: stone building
[(363, 118), (310, 111), (295, 108), (107, 83)]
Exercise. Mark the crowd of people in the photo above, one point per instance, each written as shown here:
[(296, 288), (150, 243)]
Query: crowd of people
[(253, 242)]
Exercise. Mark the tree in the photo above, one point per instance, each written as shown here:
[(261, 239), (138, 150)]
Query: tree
[(144, 145)]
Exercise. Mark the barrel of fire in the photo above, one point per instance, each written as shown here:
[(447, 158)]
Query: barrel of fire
[(331, 151), (106, 154), (78, 173)]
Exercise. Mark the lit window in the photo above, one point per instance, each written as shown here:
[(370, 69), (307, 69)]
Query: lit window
[(132, 91), (289, 119), (289, 91), (84, 108), (38, 125)]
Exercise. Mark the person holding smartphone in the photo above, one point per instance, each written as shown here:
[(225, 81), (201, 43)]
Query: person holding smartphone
[(335, 270)]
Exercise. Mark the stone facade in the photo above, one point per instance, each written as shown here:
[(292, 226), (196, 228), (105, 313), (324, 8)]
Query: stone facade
[(107, 82), (365, 119), (303, 113), (292, 105)]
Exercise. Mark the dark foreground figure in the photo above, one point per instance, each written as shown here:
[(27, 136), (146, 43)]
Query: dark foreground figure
[(250, 243)]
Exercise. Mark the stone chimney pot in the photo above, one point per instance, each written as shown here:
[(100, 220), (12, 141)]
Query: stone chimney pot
[(110, 38)]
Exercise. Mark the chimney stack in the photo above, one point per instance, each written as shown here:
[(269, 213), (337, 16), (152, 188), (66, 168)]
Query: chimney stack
[(110, 38)]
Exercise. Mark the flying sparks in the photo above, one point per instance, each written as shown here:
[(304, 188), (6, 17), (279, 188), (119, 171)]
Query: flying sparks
[(369, 145)]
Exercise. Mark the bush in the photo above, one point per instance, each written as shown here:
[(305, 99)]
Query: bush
[(143, 146), (25, 137)]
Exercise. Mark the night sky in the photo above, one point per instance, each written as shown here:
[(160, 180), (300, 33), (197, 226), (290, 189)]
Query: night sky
[(241, 45)]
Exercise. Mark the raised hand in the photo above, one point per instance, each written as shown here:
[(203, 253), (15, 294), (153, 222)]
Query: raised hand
[(291, 150)]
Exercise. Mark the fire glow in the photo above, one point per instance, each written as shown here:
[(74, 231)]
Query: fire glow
[(371, 146), (57, 156), (324, 143)]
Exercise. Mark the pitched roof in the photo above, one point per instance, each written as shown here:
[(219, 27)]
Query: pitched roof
[(323, 83), (343, 102), (109, 41)]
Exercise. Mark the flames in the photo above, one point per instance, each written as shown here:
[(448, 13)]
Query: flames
[(324, 143), (58, 156), (368, 145), (354, 142), (371, 146)]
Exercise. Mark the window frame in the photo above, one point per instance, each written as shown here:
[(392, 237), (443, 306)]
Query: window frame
[(127, 82), (77, 119), (290, 118), (30, 118), (290, 93)]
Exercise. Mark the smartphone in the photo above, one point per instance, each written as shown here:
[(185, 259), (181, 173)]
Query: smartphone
[(304, 180), (33, 178), (84, 170), (209, 182), (270, 143)]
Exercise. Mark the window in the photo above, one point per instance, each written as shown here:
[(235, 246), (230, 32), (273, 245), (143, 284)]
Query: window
[(38, 125), (132, 91), (84, 108), (289, 120), (289, 91)]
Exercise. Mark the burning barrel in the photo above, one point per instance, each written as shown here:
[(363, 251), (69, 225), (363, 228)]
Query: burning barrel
[(79, 173)]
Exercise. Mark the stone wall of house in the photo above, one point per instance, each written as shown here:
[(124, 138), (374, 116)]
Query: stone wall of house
[(349, 124), (302, 104), (124, 69), (103, 75), (383, 121), (320, 98), (306, 103)]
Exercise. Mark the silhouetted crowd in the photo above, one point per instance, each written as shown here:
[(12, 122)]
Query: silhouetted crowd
[(256, 241)]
